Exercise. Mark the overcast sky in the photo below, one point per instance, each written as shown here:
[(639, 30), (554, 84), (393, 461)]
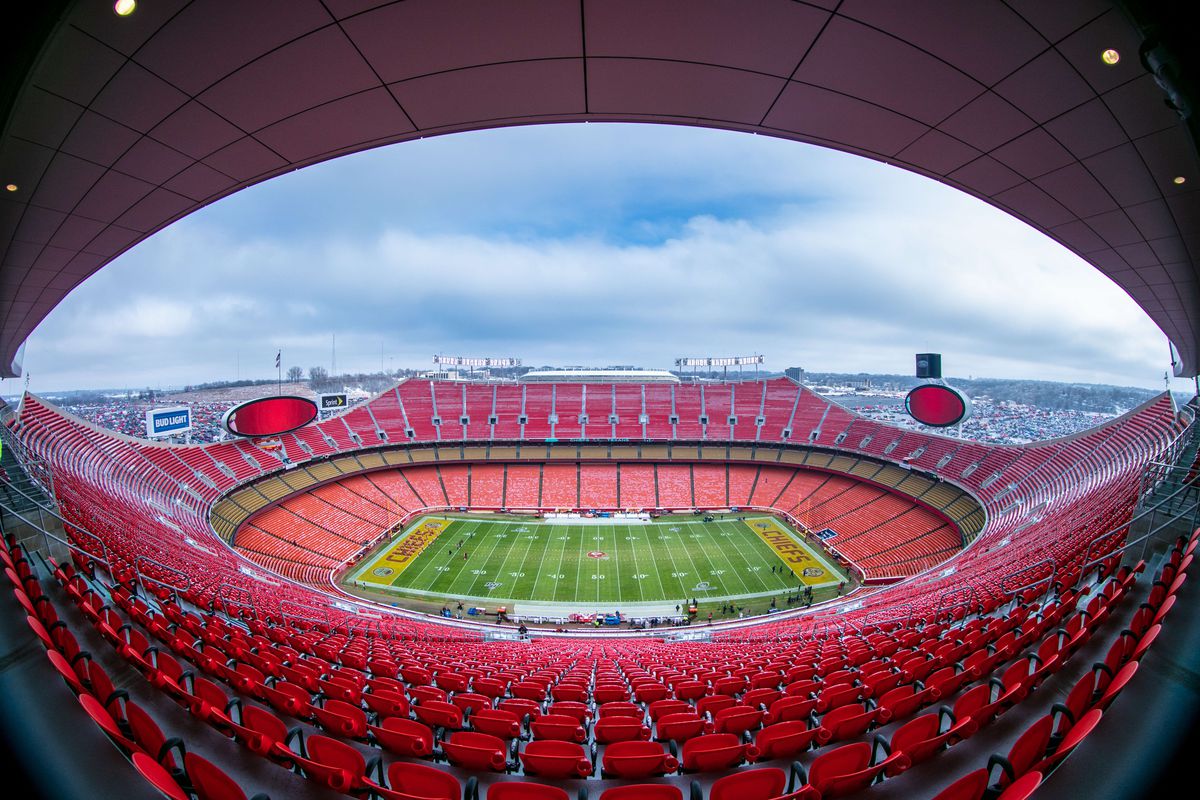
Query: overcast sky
[(595, 244)]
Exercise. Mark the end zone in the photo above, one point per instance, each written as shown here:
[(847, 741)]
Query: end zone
[(810, 568)]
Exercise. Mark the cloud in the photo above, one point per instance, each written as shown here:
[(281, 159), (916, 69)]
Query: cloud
[(596, 245)]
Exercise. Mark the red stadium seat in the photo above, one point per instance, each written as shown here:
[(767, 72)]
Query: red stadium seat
[(403, 736), (289, 698), (619, 729), (408, 781), (784, 740), (495, 722), (571, 708), (476, 751), (520, 790), (1023, 788), (752, 784), (850, 768), (332, 763), (521, 707), (636, 760), (923, 737), (643, 791), (342, 719), (1078, 732), (158, 777), (387, 703), (558, 727), (621, 709), (969, 787), (470, 701), (210, 783), (790, 708), (101, 717), (260, 731), (846, 722), (439, 714), (715, 751), (679, 726), (1025, 753), (555, 759), (738, 719), (150, 738)]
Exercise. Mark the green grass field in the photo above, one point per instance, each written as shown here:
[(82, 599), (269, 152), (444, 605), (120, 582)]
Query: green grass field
[(497, 559)]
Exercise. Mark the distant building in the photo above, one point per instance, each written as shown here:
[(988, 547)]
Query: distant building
[(795, 373)]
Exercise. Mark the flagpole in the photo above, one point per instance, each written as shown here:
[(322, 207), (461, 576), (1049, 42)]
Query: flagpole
[(279, 367)]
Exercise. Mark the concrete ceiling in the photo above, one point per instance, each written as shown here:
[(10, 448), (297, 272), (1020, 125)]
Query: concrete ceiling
[(120, 125)]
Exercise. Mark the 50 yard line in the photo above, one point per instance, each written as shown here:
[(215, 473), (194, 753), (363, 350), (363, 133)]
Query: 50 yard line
[(512, 527)]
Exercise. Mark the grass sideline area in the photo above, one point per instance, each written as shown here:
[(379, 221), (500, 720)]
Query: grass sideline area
[(496, 560)]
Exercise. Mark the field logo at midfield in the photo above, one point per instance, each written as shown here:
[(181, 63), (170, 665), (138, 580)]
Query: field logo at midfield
[(597, 554), (796, 556), (405, 551)]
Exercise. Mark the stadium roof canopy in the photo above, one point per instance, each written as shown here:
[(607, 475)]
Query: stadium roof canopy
[(598, 376), (114, 127)]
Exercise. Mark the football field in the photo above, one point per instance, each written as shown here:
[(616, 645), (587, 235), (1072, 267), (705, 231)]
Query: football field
[(600, 561)]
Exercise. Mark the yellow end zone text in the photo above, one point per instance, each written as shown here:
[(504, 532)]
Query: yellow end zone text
[(384, 570), (806, 567)]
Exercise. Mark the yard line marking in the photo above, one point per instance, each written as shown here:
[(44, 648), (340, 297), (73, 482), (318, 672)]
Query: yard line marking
[(533, 590), (558, 583), (471, 589), (729, 561)]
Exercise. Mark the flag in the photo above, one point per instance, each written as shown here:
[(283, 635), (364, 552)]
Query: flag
[(278, 353)]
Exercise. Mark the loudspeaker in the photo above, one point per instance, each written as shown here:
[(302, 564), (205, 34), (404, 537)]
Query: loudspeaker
[(929, 365)]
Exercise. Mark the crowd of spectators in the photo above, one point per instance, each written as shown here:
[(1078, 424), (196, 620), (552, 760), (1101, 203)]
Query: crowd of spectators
[(129, 416), (995, 422)]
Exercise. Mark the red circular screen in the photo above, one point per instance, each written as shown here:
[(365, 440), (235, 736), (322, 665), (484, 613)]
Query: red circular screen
[(270, 416), (936, 405)]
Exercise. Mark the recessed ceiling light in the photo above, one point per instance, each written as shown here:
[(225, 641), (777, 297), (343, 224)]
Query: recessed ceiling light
[(1180, 180), (1110, 57), (125, 7), (12, 187)]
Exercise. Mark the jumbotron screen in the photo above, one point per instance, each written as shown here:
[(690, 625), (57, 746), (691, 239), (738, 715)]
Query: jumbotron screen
[(937, 405), (269, 416)]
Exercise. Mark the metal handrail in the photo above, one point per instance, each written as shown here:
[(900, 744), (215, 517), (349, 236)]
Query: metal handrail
[(1124, 528), (67, 524), (905, 619), (971, 591), (137, 561), (1049, 579), (285, 614), (51, 536), (219, 597)]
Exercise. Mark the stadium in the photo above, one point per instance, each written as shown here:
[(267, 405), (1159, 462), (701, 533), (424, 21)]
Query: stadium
[(731, 588)]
